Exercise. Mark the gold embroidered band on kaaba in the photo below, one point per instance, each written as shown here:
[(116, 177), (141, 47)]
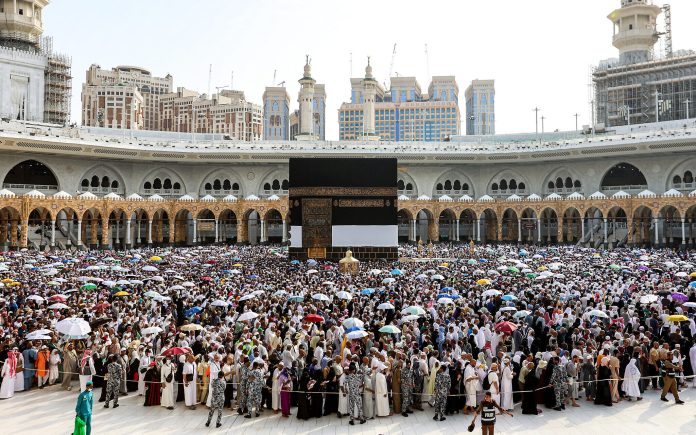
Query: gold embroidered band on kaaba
[(342, 191)]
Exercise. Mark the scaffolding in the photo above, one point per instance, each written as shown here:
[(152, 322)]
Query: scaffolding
[(58, 85)]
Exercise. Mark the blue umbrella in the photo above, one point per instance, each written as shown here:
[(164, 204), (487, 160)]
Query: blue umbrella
[(192, 311), (483, 260), (236, 259), (295, 262), (296, 298), (311, 262), (354, 328), (226, 271), (446, 289), (509, 298), (396, 272), (252, 276), (367, 291), (447, 295), (692, 284)]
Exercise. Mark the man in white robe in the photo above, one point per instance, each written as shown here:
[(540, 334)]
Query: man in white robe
[(381, 392), (168, 390), (145, 361), (275, 387), (9, 374), (189, 373)]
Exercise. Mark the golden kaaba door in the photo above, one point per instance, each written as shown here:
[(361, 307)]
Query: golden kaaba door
[(316, 222)]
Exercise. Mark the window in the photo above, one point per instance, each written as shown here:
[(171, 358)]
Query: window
[(85, 183), (95, 181), (157, 184), (494, 186), (521, 186), (217, 185), (114, 184), (285, 185), (21, 12), (177, 186), (105, 182), (147, 185), (688, 177), (208, 186)]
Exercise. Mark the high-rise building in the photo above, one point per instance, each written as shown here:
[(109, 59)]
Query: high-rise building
[(480, 107), (99, 82), (227, 113), (276, 113), (642, 86), (35, 82), (403, 113)]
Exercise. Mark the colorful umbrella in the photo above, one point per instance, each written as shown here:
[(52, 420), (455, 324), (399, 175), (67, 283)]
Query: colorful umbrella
[(677, 318), (506, 327), (313, 318), (389, 329)]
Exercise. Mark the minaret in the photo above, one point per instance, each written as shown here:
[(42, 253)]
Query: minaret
[(21, 26), (369, 93), (306, 99), (635, 30)]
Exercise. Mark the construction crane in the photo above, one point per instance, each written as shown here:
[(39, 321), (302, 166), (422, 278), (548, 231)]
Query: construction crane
[(668, 29), (281, 83), (391, 65)]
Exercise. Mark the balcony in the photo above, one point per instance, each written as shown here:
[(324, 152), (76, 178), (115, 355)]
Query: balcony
[(221, 192), (163, 192), (504, 193), (24, 188), (627, 188)]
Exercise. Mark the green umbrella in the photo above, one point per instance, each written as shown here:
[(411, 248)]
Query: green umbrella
[(296, 298), (513, 269), (471, 262), (414, 310), (390, 329), (89, 286), (531, 275), (151, 294), (614, 266)]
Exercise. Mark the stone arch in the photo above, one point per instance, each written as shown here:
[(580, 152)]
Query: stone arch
[(508, 182), (139, 219), (510, 225), (572, 225), (228, 226), (643, 227), (108, 180), (250, 227), (92, 231), (117, 227), (273, 183), (228, 180), (10, 227), (164, 182), (682, 176), (205, 226), (161, 228), (446, 223), (39, 227), (562, 181), (669, 226), (426, 226), (529, 221), (406, 184), (623, 176), (454, 184), (467, 225), (617, 226), (690, 226), (550, 226), (489, 227), (404, 219), (29, 175), (273, 226)]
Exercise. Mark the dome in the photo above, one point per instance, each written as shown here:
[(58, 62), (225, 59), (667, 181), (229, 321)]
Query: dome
[(672, 193), (208, 198), (113, 196), (445, 198), (514, 197), (402, 198), (598, 195), (87, 195), (34, 194), (486, 198), (554, 197), (646, 194), (534, 197), (423, 198), (187, 197), (575, 195), (134, 197), (5, 193), (273, 198), (466, 198), (155, 197), (62, 195), (620, 194), (252, 197), (228, 198)]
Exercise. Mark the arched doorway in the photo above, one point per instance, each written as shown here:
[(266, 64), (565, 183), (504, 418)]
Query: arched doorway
[(467, 225), (690, 226), (253, 227), (205, 230), (447, 229), (425, 223), (159, 231), (669, 227), (549, 226), (39, 229), (572, 225), (117, 229), (593, 227), (31, 175), (510, 226), (403, 219), (138, 228), (91, 229), (228, 226), (642, 226), (489, 230), (10, 228), (617, 227), (66, 228), (273, 227), (623, 176)]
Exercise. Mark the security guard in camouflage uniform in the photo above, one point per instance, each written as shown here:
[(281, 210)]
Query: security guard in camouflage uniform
[(113, 384), (255, 383), (406, 389), (443, 382), (669, 375), (354, 386), (217, 399), (243, 391)]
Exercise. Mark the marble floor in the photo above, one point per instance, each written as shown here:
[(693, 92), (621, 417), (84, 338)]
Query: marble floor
[(51, 411)]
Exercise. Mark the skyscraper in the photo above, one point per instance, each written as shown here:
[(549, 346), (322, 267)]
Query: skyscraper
[(480, 107), (276, 113)]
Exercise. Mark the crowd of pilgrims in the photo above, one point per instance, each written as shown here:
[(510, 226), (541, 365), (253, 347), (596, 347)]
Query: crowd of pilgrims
[(247, 329)]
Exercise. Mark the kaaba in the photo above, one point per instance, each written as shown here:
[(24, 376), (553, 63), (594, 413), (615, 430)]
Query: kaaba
[(341, 204)]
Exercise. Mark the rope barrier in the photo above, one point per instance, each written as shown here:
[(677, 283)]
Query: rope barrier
[(200, 383)]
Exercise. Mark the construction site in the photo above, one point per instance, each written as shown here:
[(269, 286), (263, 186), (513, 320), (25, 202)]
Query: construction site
[(58, 84), (643, 85)]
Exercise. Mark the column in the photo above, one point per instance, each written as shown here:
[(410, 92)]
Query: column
[(657, 232), (138, 238), (456, 230), (118, 232), (195, 233), (478, 230), (128, 233), (285, 231), (412, 232), (149, 232), (591, 229), (53, 232), (217, 233), (606, 239), (262, 225), (519, 230), (683, 228), (79, 233), (538, 222), (24, 234), (582, 228)]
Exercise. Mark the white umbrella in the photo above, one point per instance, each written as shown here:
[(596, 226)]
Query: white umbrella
[(411, 317), (161, 298), (312, 271), (176, 287), (149, 268), (354, 335), (344, 295), (437, 278), (421, 276), (648, 299), (249, 315), (136, 282), (327, 283), (599, 313), (188, 284), (388, 280), (681, 274), (58, 306), (491, 292), (247, 297), (522, 313), (123, 282), (352, 322), (445, 301), (38, 335), (385, 306), (689, 304), (73, 326), (152, 330), (508, 309), (375, 272), (219, 303), (320, 297), (157, 278), (109, 283), (36, 298)]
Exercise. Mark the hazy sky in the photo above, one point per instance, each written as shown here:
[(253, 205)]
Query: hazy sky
[(539, 51)]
